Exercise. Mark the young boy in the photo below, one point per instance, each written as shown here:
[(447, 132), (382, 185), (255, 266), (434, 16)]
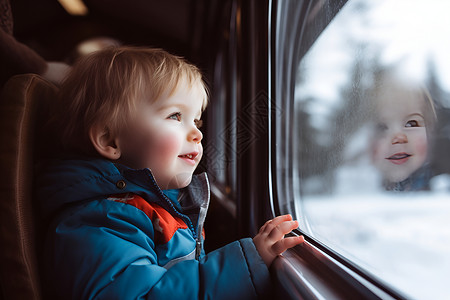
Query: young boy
[(127, 210), (405, 115)]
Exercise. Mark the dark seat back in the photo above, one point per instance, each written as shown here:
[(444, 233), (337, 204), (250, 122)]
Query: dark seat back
[(25, 101)]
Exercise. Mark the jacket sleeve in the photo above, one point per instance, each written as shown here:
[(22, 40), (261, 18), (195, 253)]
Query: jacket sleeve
[(107, 251)]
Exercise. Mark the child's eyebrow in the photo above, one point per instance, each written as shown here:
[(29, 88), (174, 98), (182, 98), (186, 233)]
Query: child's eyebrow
[(415, 114), (173, 106), (178, 106)]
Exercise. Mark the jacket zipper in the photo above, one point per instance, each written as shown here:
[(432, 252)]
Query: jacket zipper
[(201, 219)]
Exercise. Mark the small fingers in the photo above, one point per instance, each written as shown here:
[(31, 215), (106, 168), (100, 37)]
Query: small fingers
[(286, 243), (280, 219), (279, 231), (268, 226)]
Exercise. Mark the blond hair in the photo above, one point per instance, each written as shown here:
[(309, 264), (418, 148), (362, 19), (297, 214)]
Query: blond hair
[(105, 88)]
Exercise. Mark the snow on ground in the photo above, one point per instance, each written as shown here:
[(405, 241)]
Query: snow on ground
[(404, 239)]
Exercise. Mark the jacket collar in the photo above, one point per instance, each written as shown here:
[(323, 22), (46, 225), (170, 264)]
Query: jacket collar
[(68, 181)]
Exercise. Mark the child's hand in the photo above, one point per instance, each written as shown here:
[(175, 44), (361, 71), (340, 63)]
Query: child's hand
[(270, 241)]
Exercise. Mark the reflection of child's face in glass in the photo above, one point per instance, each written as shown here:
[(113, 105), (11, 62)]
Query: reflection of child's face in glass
[(400, 143)]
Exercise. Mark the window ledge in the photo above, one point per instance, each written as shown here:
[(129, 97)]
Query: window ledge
[(306, 272)]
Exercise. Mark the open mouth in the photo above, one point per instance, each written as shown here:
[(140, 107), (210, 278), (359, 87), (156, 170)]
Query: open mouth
[(399, 158), (190, 157)]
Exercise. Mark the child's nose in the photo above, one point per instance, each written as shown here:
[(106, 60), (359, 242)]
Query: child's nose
[(399, 138), (195, 135)]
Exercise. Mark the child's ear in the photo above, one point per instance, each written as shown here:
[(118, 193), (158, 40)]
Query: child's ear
[(104, 142)]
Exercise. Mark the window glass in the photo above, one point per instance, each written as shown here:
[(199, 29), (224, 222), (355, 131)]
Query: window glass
[(371, 139)]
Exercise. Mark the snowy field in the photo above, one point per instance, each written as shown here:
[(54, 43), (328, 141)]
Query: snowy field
[(404, 239)]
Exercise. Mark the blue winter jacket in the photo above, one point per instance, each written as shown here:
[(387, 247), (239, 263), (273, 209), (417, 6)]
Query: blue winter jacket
[(115, 235)]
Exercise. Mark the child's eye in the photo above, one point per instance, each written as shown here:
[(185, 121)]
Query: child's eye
[(175, 116), (413, 123), (198, 123)]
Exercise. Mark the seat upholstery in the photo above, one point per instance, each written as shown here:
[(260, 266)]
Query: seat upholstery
[(24, 106)]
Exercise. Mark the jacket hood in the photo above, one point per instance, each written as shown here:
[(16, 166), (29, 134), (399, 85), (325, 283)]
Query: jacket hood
[(61, 183)]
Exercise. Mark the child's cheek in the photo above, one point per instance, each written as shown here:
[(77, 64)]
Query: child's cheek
[(376, 152), (169, 146), (422, 147)]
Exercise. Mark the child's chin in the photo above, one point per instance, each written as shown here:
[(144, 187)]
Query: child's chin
[(180, 181), (396, 177)]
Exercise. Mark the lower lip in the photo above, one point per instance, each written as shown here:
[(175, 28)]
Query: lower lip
[(188, 160), (399, 161)]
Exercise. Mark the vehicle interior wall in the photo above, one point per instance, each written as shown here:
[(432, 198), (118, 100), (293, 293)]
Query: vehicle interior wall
[(178, 26)]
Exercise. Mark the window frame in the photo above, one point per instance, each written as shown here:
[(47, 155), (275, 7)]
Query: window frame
[(301, 270)]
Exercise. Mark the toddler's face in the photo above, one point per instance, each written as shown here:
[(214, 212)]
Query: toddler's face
[(165, 138), (400, 143)]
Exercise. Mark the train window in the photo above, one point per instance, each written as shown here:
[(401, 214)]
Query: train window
[(362, 136)]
